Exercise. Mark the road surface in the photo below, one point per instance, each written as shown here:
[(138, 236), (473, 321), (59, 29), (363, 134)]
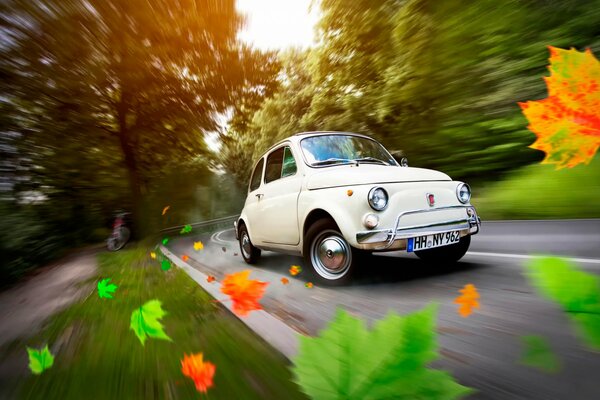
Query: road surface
[(481, 351)]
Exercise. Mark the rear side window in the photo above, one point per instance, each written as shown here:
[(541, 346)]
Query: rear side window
[(289, 164), (256, 175), (274, 164)]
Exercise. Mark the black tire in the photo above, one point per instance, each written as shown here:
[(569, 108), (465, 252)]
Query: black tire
[(250, 253), (449, 254), (327, 268)]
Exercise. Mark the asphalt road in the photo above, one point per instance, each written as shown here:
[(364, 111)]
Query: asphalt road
[(481, 351)]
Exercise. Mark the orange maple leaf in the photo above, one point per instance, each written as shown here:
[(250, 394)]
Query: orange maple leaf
[(467, 300), (295, 270), (308, 285), (210, 279), (185, 257), (285, 281), (164, 211), (244, 293), (200, 371), (566, 123)]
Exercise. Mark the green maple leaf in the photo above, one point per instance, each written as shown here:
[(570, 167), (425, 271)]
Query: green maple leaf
[(577, 292), (186, 229), (347, 361), (165, 265), (165, 241), (538, 354), (39, 360), (105, 290), (145, 321)]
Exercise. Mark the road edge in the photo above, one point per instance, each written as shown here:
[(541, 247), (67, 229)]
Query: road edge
[(271, 329)]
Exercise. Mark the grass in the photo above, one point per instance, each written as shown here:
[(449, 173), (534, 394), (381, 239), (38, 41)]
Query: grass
[(97, 356), (540, 191)]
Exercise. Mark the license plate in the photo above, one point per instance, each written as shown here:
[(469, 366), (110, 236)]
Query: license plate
[(431, 241)]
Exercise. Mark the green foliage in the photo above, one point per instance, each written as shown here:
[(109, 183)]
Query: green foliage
[(40, 360), (538, 354), (145, 321), (165, 265), (347, 361), (105, 289), (577, 292), (186, 229)]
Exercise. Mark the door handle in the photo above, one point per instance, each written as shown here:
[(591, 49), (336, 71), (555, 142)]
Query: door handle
[(259, 195)]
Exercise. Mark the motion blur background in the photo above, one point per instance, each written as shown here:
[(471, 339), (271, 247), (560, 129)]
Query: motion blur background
[(132, 104)]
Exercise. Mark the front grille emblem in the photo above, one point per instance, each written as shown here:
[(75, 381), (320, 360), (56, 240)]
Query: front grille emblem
[(430, 199)]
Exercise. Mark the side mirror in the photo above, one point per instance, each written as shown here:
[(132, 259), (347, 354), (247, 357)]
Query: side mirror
[(400, 157)]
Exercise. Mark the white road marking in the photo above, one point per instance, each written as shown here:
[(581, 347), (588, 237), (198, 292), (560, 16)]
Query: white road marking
[(525, 256), (215, 238)]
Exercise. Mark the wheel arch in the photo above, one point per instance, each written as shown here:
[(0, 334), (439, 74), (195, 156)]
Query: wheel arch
[(314, 216)]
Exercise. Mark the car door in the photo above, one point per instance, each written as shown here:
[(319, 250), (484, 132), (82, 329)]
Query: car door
[(278, 204), (251, 206)]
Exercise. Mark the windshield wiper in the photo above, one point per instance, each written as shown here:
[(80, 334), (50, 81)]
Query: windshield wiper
[(330, 161), (370, 159)]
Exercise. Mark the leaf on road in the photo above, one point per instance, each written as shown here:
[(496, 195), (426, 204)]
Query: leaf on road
[(467, 300), (186, 229), (577, 292), (210, 279), (200, 371), (537, 354), (164, 211), (165, 241), (566, 123), (198, 245), (308, 285), (165, 265), (39, 360), (224, 249), (153, 255), (347, 361), (145, 321), (244, 293), (285, 281), (295, 270), (185, 257), (105, 290)]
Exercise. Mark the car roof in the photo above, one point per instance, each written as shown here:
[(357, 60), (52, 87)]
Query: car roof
[(301, 135)]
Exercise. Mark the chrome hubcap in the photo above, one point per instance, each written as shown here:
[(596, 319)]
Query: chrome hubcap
[(331, 255), (246, 249)]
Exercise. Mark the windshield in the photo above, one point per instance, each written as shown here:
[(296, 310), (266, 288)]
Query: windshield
[(340, 149)]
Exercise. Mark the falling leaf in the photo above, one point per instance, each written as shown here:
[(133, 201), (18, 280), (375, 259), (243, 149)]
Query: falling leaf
[(308, 285), (224, 249), (39, 360), (537, 354), (389, 361), (200, 371), (235, 254), (467, 300), (577, 292), (349, 192), (566, 123), (165, 265), (185, 257), (153, 255), (198, 245), (105, 290), (165, 241), (145, 321), (285, 281), (164, 211), (186, 229), (210, 279), (295, 270), (244, 293)]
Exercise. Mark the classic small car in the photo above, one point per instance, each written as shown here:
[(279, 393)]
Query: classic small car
[(334, 197)]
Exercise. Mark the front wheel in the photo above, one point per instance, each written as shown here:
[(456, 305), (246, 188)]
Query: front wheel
[(332, 258), (449, 254)]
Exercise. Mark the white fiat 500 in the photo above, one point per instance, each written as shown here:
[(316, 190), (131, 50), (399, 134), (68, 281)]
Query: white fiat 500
[(334, 197)]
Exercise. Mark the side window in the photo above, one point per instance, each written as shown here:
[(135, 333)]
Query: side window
[(256, 175), (274, 163), (289, 164)]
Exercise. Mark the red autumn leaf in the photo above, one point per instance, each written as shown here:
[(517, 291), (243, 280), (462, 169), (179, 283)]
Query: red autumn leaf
[(244, 293), (308, 285), (200, 371), (210, 279), (285, 281), (467, 300), (295, 270), (185, 257), (566, 123)]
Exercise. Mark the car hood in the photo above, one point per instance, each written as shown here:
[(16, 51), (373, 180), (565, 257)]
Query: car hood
[(364, 174)]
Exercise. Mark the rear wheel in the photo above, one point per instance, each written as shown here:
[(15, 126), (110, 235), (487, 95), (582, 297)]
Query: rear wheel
[(451, 253), (250, 253), (331, 258)]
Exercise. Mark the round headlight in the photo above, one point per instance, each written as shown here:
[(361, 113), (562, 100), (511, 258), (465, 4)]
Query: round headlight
[(378, 198), (463, 192)]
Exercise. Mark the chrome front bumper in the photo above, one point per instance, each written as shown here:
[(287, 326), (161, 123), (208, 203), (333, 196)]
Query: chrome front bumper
[(395, 238), (235, 230)]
